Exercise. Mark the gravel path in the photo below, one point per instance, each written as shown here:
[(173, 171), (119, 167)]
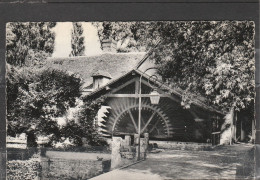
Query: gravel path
[(226, 162)]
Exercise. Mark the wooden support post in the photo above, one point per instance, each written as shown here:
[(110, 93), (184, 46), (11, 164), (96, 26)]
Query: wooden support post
[(242, 135), (253, 129), (231, 125), (128, 140), (235, 127), (136, 86), (135, 139)]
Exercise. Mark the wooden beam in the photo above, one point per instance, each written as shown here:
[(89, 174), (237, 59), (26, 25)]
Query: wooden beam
[(172, 98), (162, 92), (123, 85), (147, 84), (196, 102), (132, 118), (193, 113), (136, 80), (150, 119), (134, 95)]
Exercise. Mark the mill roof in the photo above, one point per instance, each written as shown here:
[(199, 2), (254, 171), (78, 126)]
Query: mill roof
[(108, 64), (113, 65)]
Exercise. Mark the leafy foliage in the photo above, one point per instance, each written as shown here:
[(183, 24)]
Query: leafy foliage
[(34, 98), (26, 40), (74, 132), (18, 169), (127, 34), (87, 119), (77, 40), (36, 95), (85, 131), (214, 59)]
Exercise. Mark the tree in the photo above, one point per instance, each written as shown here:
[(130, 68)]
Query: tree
[(36, 97), (24, 40), (77, 40), (214, 59), (127, 34)]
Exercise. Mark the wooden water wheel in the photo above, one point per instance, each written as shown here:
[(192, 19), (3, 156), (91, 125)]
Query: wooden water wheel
[(124, 118)]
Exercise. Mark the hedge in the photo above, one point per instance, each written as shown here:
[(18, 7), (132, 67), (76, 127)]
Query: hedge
[(23, 170)]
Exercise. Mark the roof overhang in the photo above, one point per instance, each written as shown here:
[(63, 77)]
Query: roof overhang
[(163, 87)]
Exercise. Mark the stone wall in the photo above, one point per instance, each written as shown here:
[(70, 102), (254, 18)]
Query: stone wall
[(192, 146), (120, 148), (125, 153)]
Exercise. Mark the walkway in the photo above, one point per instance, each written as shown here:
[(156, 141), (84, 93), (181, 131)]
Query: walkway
[(229, 162)]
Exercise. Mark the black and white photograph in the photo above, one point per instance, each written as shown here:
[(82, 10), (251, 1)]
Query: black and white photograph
[(132, 100)]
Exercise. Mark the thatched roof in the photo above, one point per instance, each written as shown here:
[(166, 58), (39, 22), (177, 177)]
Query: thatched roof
[(116, 64)]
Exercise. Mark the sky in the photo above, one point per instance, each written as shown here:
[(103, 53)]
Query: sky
[(62, 46)]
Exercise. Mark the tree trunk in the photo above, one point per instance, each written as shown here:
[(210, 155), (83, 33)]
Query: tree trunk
[(253, 129), (226, 135)]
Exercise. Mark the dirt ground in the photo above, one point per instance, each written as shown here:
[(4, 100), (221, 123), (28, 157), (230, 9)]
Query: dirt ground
[(223, 162)]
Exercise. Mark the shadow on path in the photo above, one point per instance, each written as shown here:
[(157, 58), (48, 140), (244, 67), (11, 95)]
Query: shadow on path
[(224, 162)]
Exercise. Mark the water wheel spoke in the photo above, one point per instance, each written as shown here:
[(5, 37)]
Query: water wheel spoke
[(132, 118), (154, 126), (142, 121), (153, 119), (148, 122)]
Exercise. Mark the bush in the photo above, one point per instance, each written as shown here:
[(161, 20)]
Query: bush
[(35, 97), (80, 135), (73, 132), (20, 154), (23, 170)]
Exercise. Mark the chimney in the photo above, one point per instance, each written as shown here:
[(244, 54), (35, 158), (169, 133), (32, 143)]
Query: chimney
[(109, 45), (100, 78)]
